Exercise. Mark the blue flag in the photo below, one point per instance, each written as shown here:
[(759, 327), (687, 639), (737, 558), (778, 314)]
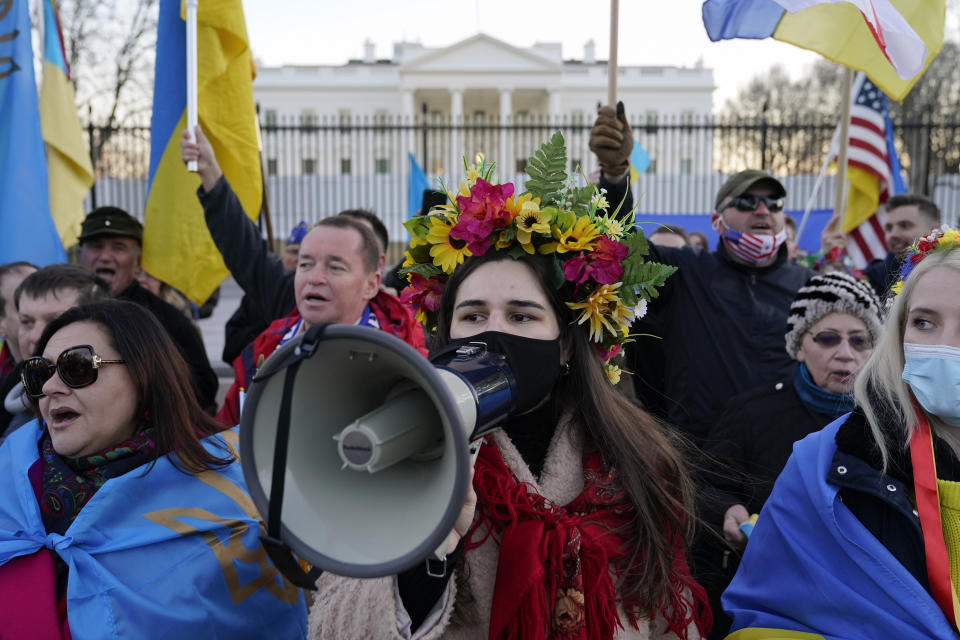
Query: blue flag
[(157, 552), (418, 182), (27, 231)]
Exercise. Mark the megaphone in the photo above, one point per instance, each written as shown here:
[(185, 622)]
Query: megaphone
[(355, 450)]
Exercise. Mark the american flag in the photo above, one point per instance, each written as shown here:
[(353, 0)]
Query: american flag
[(871, 150), (749, 247)]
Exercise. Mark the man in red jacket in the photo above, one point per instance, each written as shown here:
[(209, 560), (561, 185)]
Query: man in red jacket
[(337, 280)]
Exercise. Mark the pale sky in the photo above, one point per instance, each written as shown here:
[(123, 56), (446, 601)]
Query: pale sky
[(652, 32)]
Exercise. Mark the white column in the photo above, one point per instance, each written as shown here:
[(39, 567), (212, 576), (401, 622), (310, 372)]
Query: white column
[(505, 162), (456, 120), (554, 108)]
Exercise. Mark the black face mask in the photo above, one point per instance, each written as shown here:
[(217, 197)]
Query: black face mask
[(535, 364)]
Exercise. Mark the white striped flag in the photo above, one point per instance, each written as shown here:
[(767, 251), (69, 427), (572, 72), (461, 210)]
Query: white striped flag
[(873, 171)]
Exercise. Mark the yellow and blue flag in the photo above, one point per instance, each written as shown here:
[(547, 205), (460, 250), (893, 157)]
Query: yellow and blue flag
[(157, 552), (69, 169), (892, 41), (177, 247), (27, 231), (639, 161)]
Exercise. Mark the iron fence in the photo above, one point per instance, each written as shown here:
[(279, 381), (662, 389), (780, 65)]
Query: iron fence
[(315, 167)]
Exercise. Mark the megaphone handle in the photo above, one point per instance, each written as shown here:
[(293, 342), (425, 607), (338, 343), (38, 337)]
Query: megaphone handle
[(440, 554)]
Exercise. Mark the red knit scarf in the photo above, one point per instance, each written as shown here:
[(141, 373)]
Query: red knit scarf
[(554, 570)]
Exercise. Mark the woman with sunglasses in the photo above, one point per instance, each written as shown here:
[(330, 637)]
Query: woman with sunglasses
[(833, 324), (123, 512), (861, 535)]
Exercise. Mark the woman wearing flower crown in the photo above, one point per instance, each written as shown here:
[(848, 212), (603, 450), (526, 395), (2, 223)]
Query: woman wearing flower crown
[(580, 511), (861, 535)]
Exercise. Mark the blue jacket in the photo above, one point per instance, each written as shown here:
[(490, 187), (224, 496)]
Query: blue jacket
[(156, 554), (815, 565)]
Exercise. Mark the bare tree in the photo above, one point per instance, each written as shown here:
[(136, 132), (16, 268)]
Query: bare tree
[(110, 46)]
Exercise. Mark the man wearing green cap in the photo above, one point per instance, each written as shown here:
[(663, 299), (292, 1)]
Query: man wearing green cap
[(723, 315), (110, 241)]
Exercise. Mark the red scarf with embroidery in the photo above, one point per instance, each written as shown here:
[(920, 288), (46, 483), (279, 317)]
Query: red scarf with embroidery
[(554, 570)]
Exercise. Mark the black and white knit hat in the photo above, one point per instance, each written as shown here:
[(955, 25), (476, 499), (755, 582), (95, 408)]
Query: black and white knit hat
[(828, 293)]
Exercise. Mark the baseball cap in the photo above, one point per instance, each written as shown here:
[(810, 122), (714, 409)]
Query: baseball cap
[(738, 184)]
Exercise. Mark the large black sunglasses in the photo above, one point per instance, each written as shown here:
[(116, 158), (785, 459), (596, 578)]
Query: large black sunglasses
[(77, 367), (751, 202), (829, 340)]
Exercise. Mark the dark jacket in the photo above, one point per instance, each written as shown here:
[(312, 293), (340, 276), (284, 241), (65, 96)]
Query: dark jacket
[(722, 325), (888, 514), (749, 446), (267, 286), (883, 274), (185, 335)]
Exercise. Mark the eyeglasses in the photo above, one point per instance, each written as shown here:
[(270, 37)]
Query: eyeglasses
[(829, 340), (751, 202), (77, 366)]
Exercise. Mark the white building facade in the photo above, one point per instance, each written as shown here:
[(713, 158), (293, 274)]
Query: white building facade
[(481, 94)]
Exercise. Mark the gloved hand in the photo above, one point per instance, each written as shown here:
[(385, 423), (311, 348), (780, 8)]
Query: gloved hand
[(611, 140)]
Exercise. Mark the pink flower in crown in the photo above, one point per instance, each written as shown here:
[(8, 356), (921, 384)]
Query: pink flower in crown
[(481, 213), (610, 354), (602, 264), (422, 293)]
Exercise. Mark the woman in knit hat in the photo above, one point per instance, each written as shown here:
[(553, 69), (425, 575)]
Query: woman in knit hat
[(833, 324)]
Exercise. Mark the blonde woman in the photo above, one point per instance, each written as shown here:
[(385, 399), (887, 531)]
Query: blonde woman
[(861, 535)]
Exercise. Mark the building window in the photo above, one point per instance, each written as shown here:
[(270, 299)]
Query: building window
[(382, 165), (479, 115), (271, 166), (308, 118), (270, 118), (381, 117), (574, 165), (576, 116), (436, 165), (436, 115), (345, 166), (344, 117), (653, 166), (309, 166), (686, 117), (521, 165), (523, 116), (686, 166)]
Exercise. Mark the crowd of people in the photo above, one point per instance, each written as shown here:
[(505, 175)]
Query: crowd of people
[(739, 440)]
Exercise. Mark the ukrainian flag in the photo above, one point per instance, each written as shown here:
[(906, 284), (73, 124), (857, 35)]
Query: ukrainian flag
[(68, 160), (893, 45), (27, 231), (177, 247)]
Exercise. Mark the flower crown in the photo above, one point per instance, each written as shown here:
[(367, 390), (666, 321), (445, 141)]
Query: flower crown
[(942, 238), (598, 252), (836, 257)]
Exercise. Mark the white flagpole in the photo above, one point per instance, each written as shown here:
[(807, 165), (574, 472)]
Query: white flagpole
[(612, 62), (840, 192), (813, 195), (192, 75)]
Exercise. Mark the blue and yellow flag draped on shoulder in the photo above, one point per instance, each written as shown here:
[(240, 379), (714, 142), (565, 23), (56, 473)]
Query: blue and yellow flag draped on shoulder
[(68, 159), (177, 247), (156, 552), (812, 569), (27, 231)]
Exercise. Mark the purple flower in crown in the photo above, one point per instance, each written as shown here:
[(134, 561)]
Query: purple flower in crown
[(481, 213)]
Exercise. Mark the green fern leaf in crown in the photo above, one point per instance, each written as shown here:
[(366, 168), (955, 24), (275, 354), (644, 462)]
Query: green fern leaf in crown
[(548, 171)]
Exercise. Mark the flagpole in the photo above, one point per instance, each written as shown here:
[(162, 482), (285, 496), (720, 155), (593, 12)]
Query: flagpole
[(612, 62), (191, 6), (841, 184), (813, 195)]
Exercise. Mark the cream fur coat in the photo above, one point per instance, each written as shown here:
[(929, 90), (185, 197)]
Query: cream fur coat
[(347, 608)]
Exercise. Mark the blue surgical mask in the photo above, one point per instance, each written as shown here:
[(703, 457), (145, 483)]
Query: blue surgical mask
[(933, 373)]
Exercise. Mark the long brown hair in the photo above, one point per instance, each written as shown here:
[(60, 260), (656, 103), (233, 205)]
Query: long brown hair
[(165, 396), (645, 453)]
